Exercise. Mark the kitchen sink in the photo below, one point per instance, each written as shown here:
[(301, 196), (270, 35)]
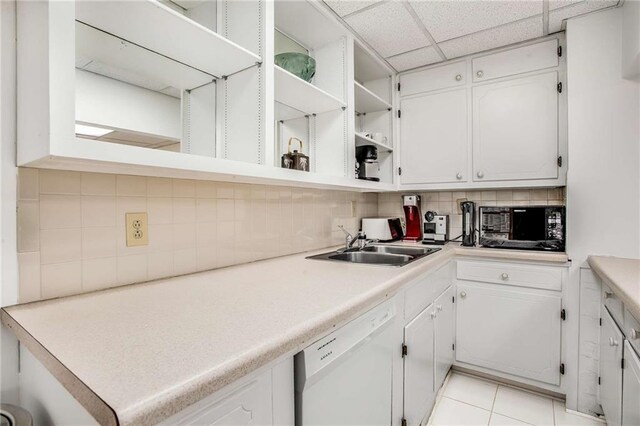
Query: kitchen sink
[(378, 254)]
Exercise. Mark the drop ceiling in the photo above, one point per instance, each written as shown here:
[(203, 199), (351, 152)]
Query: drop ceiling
[(413, 33)]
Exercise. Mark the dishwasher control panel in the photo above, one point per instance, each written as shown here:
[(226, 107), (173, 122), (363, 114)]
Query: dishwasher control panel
[(321, 353)]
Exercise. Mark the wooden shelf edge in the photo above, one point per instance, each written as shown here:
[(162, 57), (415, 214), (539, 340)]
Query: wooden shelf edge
[(101, 157)]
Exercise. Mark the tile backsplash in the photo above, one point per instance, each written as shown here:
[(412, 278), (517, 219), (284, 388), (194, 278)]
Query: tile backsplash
[(71, 227), (444, 202)]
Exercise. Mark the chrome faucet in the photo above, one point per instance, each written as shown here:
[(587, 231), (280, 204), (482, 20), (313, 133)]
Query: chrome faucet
[(349, 240)]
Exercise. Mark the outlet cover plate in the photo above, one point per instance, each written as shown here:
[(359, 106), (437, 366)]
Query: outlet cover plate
[(137, 229)]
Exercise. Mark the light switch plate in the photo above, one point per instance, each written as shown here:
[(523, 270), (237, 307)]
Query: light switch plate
[(137, 230)]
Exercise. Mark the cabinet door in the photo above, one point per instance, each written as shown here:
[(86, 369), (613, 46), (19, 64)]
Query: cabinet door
[(611, 340), (419, 393), (631, 387), (515, 129), (509, 329), (444, 336), (516, 61), (248, 405), (433, 138)]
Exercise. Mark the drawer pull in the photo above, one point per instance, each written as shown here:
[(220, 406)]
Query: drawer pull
[(504, 276), (458, 77), (463, 294), (480, 175), (613, 342), (634, 334), (459, 176), (607, 294), (439, 307), (480, 74), (433, 314)]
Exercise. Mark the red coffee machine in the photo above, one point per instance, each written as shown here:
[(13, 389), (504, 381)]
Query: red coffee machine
[(413, 217)]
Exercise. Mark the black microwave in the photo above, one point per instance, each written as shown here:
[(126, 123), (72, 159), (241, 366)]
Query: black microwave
[(528, 228)]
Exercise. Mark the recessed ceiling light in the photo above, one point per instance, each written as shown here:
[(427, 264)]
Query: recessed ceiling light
[(97, 132)]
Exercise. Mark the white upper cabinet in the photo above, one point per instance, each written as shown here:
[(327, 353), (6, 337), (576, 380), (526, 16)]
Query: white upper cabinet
[(433, 128), (516, 61), (492, 120), (515, 129)]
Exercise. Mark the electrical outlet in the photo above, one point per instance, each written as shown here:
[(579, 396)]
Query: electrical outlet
[(137, 230), (459, 201)]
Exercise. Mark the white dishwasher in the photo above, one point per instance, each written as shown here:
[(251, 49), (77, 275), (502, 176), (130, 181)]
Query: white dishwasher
[(346, 377)]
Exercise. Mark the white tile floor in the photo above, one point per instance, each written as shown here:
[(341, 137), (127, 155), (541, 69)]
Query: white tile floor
[(467, 400)]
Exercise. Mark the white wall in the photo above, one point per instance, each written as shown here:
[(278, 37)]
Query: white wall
[(603, 183), (8, 171)]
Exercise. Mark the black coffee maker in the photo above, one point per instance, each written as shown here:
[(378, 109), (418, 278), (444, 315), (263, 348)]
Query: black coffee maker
[(367, 163), (468, 223)]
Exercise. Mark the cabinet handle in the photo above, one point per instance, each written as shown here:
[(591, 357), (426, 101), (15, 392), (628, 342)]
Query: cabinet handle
[(459, 176), (439, 308), (607, 294), (480, 74), (634, 334), (613, 342), (433, 314), (463, 294), (504, 276), (480, 175), (458, 77)]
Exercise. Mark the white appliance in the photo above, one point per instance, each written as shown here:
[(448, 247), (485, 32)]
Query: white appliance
[(382, 228), (345, 378)]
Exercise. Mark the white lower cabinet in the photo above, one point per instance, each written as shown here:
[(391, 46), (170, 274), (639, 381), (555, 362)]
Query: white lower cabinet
[(630, 387), (509, 329), (611, 346), (428, 340), (265, 398)]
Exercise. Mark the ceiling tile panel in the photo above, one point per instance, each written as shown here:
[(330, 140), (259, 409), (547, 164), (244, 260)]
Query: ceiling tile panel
[(415, 58), (346, 7), (388, 28), (579, 8), (496, 37), (446, 20)]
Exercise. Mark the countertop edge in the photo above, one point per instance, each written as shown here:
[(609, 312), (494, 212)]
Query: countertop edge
[(628, 300), (95, 405), (291, 341)]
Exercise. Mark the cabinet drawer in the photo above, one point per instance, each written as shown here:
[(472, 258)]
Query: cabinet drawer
[(613, 304), (632, 330), (441, 77), (425, 291), (516, 61), (543, 277)]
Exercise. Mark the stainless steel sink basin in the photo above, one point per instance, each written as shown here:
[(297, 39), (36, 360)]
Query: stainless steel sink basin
[(408, 251), (378, 254), (372, 258)]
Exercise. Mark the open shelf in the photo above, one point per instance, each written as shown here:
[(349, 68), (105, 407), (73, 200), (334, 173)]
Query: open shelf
[(296, 93), (113, 57), (172, 34), (367, 101), (362, 140)]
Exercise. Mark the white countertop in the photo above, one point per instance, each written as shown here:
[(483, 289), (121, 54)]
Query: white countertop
[(140, 353), (623, 276)]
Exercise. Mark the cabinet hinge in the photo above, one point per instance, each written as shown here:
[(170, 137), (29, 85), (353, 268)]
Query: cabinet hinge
[(404, 422), (598, 379), (560, 161), (404, 350), (600, 322), (563, 315), (398, 87), (560, 87), (399, 113), (399, 170), (559, 51), (453, 299), (622, 363), (562, 368), (453, 346)]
